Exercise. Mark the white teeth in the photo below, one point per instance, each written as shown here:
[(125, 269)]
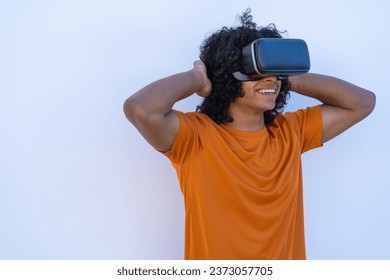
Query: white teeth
[(271, 91)]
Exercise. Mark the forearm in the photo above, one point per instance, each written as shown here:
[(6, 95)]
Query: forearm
[(333, 91), (344, 104), (150, 109), (160, 96)]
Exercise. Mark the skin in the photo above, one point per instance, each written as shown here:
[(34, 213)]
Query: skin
[(247, 111), (150, 109)]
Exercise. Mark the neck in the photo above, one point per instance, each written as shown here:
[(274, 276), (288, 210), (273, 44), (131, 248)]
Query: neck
[(247, 122)]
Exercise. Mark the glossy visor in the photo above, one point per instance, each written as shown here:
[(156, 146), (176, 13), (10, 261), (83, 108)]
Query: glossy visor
[(273, 57)]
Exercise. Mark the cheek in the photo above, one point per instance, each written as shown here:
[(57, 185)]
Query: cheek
[(244, 89), (247, 87)]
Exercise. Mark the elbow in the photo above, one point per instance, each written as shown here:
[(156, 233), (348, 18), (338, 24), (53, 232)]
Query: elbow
[(133, 110), (370, 102), (365, 105)]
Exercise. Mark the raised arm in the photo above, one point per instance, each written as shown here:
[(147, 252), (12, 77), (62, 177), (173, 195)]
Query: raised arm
[(344, 104), (150, 109)]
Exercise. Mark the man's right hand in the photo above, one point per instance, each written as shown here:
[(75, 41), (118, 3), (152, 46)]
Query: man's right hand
[(201, 70)]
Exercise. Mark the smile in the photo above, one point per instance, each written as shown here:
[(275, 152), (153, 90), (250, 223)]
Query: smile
[(266, 91)]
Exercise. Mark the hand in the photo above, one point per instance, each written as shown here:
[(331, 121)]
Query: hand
[(205, 89)]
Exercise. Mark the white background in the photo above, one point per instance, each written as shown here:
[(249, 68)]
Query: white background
[(77, 181)]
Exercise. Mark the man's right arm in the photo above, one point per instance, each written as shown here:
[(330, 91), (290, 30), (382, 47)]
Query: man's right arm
[(150, 109)]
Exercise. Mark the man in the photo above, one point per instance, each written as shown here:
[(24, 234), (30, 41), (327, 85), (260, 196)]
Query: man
[(238, 159)]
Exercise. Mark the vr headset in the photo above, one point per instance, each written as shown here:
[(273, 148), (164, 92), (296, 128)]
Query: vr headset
[(273, 57)]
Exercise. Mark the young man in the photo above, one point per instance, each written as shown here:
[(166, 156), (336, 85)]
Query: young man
[(238, 159)]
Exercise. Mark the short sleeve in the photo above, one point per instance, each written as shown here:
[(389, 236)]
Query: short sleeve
[(307, 123), (191, 137)]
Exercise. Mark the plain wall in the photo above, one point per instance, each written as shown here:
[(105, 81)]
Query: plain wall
[(77, 181)]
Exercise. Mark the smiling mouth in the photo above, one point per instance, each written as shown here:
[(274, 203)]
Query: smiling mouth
[(266, 91)]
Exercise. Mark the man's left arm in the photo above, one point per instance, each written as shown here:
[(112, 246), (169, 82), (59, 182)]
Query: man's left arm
[(344, 104)]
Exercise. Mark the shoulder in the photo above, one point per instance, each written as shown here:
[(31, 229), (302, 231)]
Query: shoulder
[(194, 119), (192, 136), (306, 124)]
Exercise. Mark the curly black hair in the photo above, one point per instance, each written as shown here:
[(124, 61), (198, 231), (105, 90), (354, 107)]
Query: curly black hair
[(221, 53)]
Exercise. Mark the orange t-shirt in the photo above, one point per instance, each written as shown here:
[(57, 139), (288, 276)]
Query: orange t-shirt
[(243, 190)]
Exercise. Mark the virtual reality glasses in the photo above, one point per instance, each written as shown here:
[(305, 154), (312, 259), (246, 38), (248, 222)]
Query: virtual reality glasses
[(273, 57)]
